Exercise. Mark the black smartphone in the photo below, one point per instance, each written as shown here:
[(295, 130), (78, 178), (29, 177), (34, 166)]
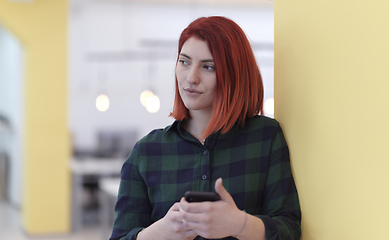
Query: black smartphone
[(193, 196)]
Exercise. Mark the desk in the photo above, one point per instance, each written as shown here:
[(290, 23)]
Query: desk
[(4, 175), (109, 188), (100, 167)]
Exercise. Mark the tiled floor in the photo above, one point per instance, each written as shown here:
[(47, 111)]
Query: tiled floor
[(11, 228)]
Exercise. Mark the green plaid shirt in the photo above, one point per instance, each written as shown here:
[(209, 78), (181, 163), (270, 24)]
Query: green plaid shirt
[(252, 160)]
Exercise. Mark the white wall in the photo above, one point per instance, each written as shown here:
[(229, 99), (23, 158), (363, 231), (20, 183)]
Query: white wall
[(117, 27), (11, 105)]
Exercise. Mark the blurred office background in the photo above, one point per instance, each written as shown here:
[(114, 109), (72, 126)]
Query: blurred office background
[(116, 50)]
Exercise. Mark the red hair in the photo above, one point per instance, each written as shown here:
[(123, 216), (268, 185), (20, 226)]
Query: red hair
[(239, 91)]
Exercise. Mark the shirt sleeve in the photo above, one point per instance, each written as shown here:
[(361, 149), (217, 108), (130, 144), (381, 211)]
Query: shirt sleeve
[(132, 208), (282, 215)]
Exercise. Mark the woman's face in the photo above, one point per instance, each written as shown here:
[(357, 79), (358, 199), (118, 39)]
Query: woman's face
[(196, 75)]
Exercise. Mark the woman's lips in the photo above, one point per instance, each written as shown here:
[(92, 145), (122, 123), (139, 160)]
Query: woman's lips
[(192, 92)]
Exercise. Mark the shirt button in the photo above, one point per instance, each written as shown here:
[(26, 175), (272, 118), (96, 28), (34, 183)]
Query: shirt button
[(205, 153), (204, 177)]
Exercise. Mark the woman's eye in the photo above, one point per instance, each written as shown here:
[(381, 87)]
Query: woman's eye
[(183, 62), (209, 67)]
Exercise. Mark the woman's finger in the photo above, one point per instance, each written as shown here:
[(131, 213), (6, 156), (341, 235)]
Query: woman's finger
[(223, 193)]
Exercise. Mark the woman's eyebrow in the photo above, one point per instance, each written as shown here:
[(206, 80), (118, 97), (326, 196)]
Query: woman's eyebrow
[(205, 60), (184, 55)]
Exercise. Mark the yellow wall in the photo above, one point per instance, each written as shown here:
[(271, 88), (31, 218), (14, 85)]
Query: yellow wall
[(41, 25), (332, 99)]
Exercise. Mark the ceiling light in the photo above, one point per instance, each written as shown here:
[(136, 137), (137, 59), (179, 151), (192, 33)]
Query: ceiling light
[(269, 106), (102, 102)]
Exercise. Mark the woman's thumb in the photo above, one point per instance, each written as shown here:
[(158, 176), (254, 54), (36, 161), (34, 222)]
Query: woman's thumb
[(224, 195)]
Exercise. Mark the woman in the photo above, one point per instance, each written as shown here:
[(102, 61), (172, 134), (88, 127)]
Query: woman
[(217, 143)]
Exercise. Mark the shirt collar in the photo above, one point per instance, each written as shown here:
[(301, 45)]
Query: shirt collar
[(175, 125)]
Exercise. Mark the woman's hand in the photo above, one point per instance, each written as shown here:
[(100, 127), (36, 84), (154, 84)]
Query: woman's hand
[(169, 227), (213, 219)]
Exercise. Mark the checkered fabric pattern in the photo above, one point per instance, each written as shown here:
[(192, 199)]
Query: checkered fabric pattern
[(252, 160)]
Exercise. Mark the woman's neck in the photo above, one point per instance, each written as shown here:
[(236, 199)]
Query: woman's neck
[(197, 123)]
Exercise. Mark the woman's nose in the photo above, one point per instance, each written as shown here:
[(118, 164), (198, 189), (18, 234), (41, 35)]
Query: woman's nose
[(193, 76)]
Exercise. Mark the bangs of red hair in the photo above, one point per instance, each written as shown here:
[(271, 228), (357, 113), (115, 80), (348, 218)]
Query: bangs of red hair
[(239, 87)]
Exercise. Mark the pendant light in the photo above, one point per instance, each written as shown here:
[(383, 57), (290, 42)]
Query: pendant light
[(148, 98), (102, 99)]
